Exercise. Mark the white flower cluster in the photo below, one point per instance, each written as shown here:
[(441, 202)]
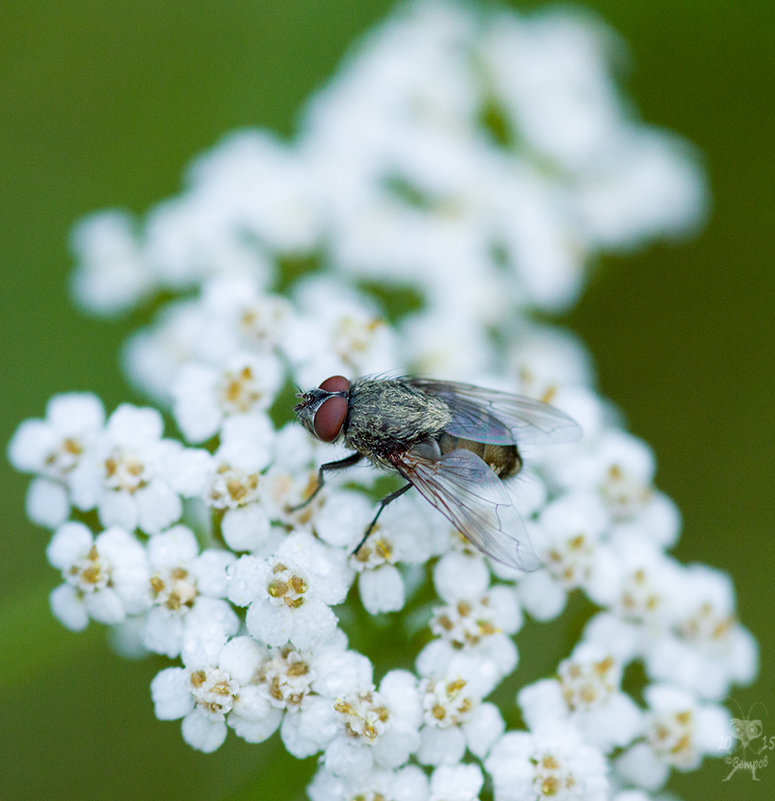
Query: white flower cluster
[(479, 159)]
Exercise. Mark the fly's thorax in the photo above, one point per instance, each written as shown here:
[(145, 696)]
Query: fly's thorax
[(388, 415), (503, 460)]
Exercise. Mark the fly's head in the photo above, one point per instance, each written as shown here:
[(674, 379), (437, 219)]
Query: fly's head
[(323, 411)]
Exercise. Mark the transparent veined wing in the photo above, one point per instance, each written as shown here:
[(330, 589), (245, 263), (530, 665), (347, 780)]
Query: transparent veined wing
[(464, 489), (500, 418)]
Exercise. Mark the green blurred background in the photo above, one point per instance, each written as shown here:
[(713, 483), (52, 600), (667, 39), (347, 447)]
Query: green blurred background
[(103, 104)]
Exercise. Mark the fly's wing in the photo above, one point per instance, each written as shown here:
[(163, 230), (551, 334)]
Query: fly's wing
[(500, 418), (464, 489)]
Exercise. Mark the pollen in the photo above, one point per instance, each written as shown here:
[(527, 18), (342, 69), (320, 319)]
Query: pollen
[(240, 391), (446, 704), (553, 777), (232, 487), (90, 573), (287, 587), (277, 589), (671, 735), (364, 716), (175, 590), (466, 623), (214, 692), (125, 471), (586, 684), (287, 677), (63, 460)]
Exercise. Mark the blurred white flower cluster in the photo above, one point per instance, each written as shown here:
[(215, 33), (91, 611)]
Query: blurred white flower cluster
[(479, 160)]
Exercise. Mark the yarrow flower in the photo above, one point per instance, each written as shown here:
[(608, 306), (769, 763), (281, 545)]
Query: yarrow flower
[(472, 163), (679, 732), (289, 593), (587, 694), (186, 586), (551, 763), (105, 577), (125, 474), (52, 449)]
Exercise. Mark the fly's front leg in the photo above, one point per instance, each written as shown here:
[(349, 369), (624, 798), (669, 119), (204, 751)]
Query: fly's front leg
[(382, 504), (340, 464)]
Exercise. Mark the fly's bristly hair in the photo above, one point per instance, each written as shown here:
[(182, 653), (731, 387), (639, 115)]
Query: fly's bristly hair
[(389, 415)]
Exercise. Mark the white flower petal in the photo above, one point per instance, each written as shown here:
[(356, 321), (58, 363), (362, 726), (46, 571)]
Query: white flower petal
[(381, 589), (47, 503), (202, 733), (171, 695), (70, 542), (68, 608)]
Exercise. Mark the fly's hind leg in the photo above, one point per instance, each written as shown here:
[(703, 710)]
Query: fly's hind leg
[(340, 464), (382, 504)]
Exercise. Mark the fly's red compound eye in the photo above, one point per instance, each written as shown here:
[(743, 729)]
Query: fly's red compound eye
[(337, 383), (329, 418)]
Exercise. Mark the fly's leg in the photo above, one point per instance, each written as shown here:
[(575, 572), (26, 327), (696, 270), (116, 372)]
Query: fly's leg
[(340, 464), (382, 504)]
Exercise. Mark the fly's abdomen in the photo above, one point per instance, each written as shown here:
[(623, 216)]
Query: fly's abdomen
[(503, 460)]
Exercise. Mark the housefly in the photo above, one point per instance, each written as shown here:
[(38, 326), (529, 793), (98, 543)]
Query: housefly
[(456, 443)]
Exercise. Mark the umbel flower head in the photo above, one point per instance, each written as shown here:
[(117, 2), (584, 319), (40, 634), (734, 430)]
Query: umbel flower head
[(481, 160)]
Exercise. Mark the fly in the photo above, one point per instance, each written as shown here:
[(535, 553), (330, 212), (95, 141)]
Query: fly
[(456, 443)]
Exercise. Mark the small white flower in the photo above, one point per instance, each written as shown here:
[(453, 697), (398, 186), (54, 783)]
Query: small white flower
[(53, 448), (231, 486), (543, 359), (153, 356), (209, 694), (566, 537), (466, 622), (188, 239), (707, 649), (206, 396), (233, 480), (617, 466), (262, 187), (124, 474), (409, 531), (380, 583), (185, 588), (282, 489), (289, 594), (679, 732), (112, 274), (473, 639), (245, 315), (286, 678), (640, 583), (375, 726), (105, 577), (587, 695), (551, 763), (338, 334), (454, 719)]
